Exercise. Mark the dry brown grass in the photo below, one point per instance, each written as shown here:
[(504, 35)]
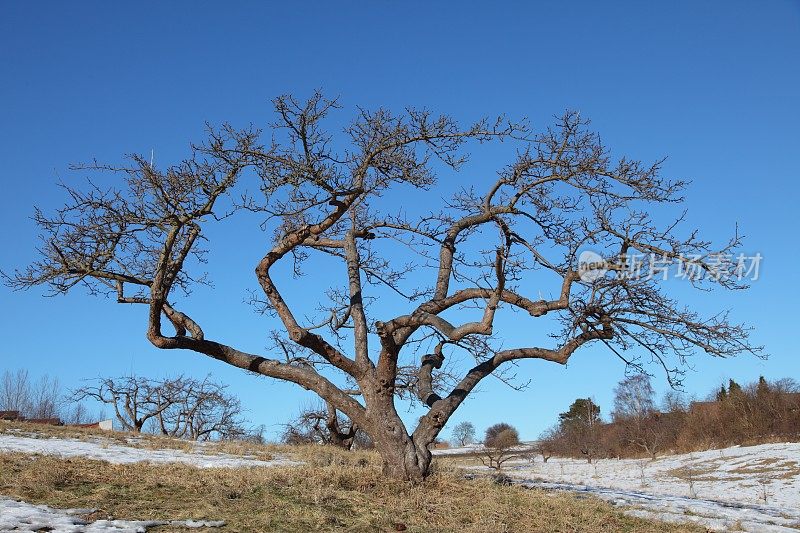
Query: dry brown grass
[(63, 432), (331, 490), (708, 471), (770, 467)]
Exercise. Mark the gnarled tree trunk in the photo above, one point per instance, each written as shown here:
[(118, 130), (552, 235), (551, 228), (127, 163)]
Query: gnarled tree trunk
[(402, 457)]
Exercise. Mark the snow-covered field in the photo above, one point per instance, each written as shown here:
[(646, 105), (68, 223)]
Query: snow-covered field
[(468, 449), (753, 488), (744, 488), (20, 517), (104, 450)]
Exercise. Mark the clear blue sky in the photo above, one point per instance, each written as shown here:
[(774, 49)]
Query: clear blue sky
[(712, 85)]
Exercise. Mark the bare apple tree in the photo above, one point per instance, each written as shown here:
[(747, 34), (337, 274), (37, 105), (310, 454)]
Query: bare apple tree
[(501, 444), (136, 400), (201, 410), (180, 407), (510, 244)]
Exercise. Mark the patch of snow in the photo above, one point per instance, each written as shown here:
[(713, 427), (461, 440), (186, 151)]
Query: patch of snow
[(476, 448), (103, 450), (462, 450), (16, 517), (748, 488), (715, 515)]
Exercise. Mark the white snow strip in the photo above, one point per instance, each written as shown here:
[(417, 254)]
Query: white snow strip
[(720, 516), (16, 517), (469, 449), (103, 450), (744, 488)]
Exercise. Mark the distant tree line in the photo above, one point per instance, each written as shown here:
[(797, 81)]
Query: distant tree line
[(41, 398), (758, 412)]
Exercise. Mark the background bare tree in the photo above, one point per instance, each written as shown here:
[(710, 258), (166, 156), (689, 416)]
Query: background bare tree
[(199, 410), (41, 398), (136, 400), (634, 397), (464, 433), (500, 445), (15, 392), (179, 407), (320, 424), (636, 416), (548, 443), (33, 398), (331, 197)]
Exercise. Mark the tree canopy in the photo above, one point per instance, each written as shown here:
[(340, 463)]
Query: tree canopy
[(487, 250)]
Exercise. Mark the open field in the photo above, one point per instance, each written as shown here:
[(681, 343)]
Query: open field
[(328, 490), (742, 488)]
